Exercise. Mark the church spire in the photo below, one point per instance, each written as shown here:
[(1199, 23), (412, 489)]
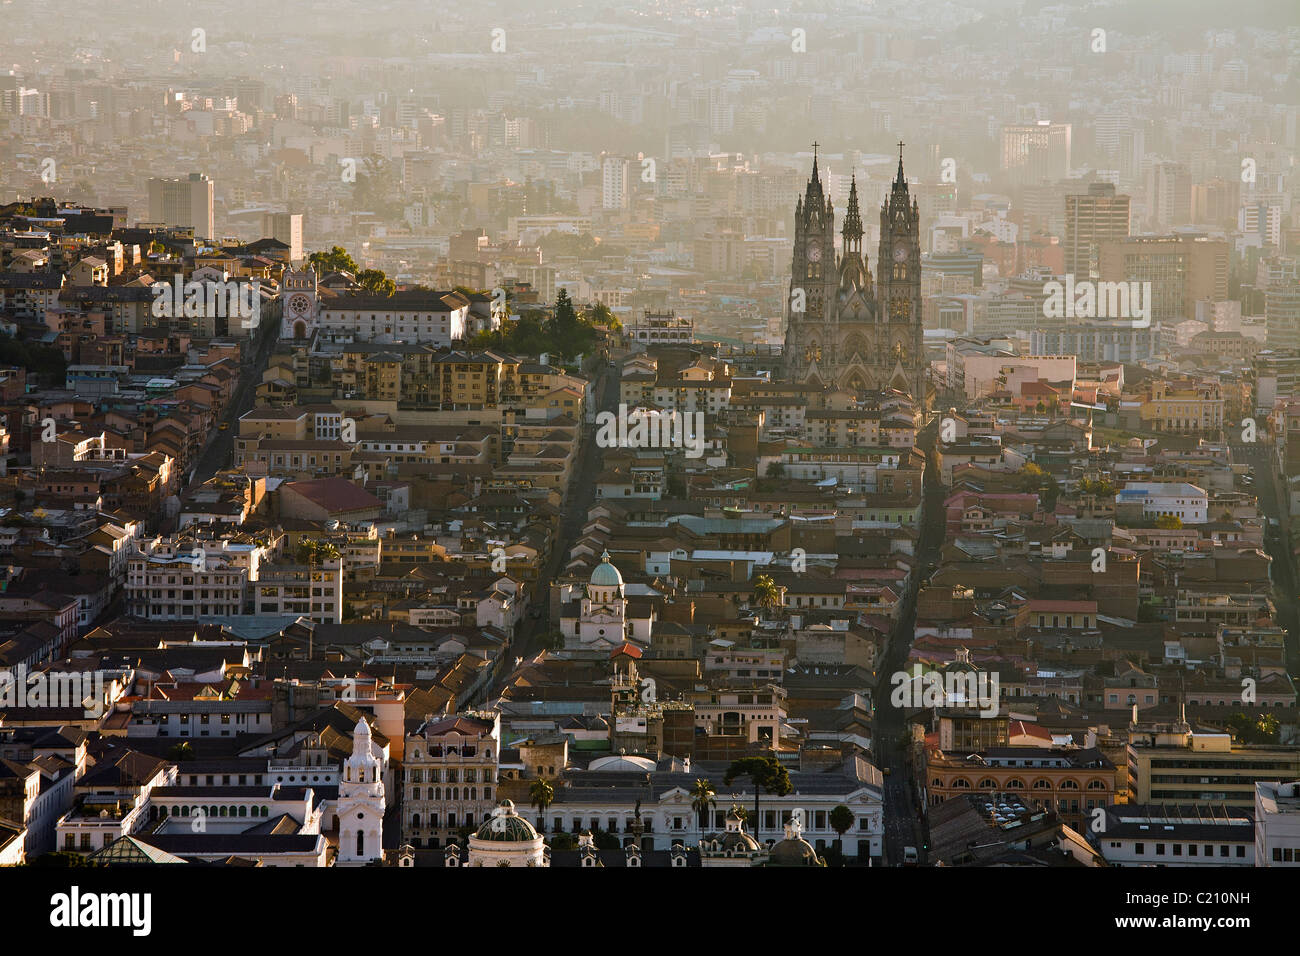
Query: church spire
[(814, 185), (816, 213), (852, 232), (899, 203)]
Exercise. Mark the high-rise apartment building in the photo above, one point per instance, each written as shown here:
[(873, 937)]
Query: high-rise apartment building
[(285, 227), (614, 185), (184, 202)]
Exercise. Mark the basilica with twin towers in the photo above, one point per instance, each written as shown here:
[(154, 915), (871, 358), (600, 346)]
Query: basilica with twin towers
[(845, 328)]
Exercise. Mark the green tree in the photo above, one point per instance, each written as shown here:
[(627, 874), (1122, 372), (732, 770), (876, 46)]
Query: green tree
[(702, 800), (841, 820), (336, 260), (1261, 729), (1268, 728), (766, 593), (376, 282), (766, 774), (47, 361), (62, 858), (313, 552), (1101, 488), (600, 314), (563, 326), (564, 841), (1033, 479), (541, 795), (555, 244), (1169, 522), (181, 752)]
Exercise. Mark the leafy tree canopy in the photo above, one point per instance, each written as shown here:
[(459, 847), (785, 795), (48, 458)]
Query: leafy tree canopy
[(336, 260)]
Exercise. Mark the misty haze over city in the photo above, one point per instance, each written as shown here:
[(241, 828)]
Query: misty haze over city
[(848, 435)]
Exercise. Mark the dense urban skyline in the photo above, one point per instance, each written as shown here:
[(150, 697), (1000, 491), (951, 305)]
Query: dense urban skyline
[(852, 436)]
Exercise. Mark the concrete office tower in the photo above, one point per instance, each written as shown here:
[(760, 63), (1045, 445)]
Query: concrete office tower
[(1132, 147), (1095, 217), (285, 227), (183, 202), (1182, 269), (1282, 317), (1169, 195), (1033, 153)]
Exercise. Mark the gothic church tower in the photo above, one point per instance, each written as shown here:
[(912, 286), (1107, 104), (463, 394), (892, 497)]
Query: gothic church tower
[(844, 328)]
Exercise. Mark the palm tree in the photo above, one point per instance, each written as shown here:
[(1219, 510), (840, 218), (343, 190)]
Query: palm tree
[(181, 752), (702, 800), (766, 773), (766, 594), (541, 795)]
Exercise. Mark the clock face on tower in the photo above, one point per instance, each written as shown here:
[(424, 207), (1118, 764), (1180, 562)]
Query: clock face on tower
[(299, 304), (900, 253), (814, 252)]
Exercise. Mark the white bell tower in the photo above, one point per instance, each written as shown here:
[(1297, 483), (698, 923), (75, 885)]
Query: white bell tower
[(361, 802)]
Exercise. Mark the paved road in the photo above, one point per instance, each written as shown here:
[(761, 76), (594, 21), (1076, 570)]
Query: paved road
[(903, 823), (1277, 541), (219, 452), (577, 502)]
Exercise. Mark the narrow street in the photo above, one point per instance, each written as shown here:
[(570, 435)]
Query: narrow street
[(577, 502), (903, 824), (1277, 540), (220, 448)]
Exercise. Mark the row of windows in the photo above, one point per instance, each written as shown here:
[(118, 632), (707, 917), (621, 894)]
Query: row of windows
[(961, 783), (1193, 849), (452, 793), (156, 812)]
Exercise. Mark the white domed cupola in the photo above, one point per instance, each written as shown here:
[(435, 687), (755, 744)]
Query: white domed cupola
[(606, 585), (363, 766)]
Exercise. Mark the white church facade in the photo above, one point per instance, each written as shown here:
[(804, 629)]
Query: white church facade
[(599, 620)]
